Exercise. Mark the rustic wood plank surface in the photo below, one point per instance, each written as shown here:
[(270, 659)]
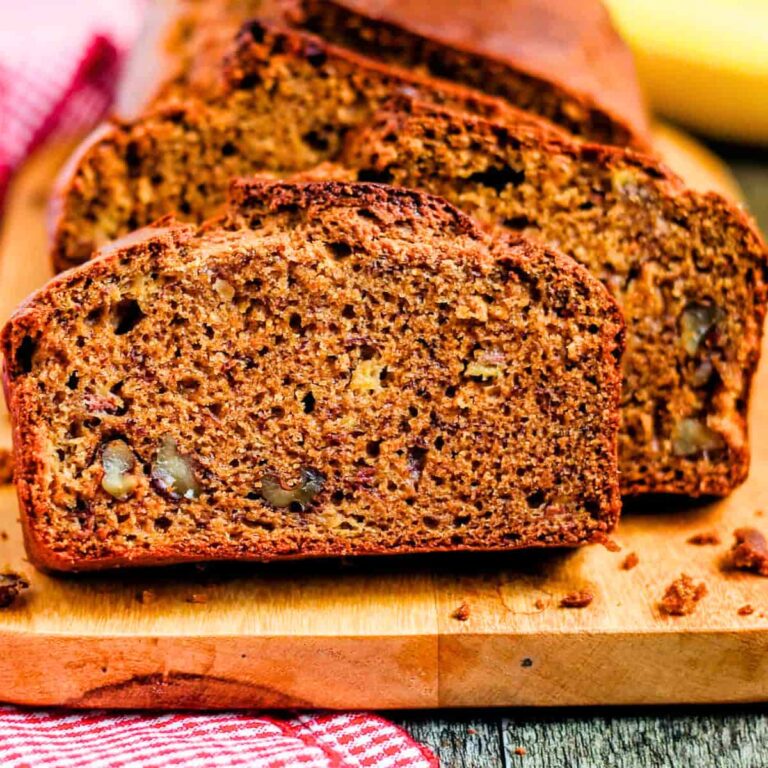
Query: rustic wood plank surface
[(578, 739), (460, 741), (722, 737)]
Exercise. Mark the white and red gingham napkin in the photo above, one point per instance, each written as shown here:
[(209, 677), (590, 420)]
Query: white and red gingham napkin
[(85, 739), (59, 60)]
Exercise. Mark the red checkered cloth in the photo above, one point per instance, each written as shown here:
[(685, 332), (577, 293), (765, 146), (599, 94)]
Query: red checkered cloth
[(59, 60), (80, 740)]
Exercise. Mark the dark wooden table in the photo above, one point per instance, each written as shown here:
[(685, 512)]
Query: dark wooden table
[(711, 737)]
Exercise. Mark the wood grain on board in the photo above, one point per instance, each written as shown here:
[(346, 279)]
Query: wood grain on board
[(381, 633)]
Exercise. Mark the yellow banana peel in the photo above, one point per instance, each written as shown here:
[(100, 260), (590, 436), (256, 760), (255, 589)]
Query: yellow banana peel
[(702, 63)]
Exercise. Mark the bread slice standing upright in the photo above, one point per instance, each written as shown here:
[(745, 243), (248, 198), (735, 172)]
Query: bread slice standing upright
[(560, 59), (332, 369)]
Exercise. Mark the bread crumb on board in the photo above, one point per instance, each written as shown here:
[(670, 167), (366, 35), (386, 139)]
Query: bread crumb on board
[(702, 539), (11, 586), (539, 604), (197, 597), (461, 613), (145, 596), (630, 561), (746, 610), (521, 751), (579, 599), (749, 552), (610, 544), (681, 596)]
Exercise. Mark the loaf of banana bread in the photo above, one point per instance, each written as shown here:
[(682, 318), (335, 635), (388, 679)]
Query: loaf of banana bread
[(562, 60), (289, 101), (688, 269), (331, 369)]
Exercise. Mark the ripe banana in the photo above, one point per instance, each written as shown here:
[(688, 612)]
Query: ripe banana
[(702, 63)]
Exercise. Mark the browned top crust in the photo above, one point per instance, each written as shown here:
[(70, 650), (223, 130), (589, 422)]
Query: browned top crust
[(569, 50), (250, 199), (312, 375)]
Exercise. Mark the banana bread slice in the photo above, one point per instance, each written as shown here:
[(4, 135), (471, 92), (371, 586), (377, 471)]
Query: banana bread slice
[(688, 269), (562, 60), (181, 47), (333, 369), (289, 101)]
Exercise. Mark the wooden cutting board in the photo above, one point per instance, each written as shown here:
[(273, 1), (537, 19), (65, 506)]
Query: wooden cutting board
[(381, 633)]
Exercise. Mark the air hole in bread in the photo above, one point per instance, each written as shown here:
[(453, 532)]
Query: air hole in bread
[(25, 354), (498, 177), (126, 315)]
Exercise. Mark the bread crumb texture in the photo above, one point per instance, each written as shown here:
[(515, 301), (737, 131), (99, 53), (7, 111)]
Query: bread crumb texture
[(578, 599), (11, 586), (6, 466), (689, 271), (285, 104), (630, 561), (462, 612)]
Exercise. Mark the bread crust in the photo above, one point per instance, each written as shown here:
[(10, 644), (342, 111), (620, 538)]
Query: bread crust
[(563, 60)]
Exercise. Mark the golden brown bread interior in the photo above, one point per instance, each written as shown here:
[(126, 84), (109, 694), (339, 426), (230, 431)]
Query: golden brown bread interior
[(332, 369), (289, 101), (183, 45), (688, 269), (561, 60)]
